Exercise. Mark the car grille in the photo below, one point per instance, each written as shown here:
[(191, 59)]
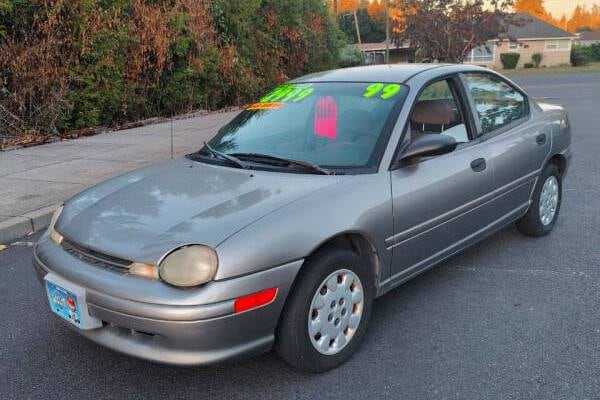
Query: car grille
[(95, 258)]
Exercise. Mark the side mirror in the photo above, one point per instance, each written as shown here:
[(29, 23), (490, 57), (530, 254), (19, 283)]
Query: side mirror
[(429, 145)]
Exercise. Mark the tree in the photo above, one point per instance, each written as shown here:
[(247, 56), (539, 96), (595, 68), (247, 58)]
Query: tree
[(582, 18), (447, 30), (534, 8), (563, 23), (372, 29), (376, 8), (577, 19), (347, 5)]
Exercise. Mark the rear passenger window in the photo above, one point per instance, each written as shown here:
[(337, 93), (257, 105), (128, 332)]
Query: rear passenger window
[(436, 112), (497, 103)]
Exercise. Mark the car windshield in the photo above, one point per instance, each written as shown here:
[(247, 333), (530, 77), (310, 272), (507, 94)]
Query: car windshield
[(324, 124)]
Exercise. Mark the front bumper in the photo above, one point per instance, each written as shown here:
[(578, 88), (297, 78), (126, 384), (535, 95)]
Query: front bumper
[(154, 321)]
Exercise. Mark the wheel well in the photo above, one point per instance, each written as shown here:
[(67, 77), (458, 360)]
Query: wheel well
[(359, 244), (560, 161)]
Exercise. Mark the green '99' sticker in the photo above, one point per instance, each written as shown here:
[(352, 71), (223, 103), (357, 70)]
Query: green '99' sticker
[(382, 90)]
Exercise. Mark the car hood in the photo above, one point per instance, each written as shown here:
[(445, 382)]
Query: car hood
[(142, 215)]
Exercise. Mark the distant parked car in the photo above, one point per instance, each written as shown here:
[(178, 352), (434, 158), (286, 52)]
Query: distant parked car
[(326, 193)]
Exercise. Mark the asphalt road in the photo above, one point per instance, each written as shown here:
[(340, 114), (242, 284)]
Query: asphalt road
[(511, 318)]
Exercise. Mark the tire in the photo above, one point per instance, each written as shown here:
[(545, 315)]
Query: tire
[(532, 223), (293, 341)]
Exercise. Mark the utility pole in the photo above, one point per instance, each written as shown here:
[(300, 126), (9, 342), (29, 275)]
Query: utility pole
[(387, 31), (357, 29)]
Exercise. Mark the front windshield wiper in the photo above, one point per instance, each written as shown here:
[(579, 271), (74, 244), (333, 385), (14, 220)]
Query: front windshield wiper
[(258, 157), (232, 160)]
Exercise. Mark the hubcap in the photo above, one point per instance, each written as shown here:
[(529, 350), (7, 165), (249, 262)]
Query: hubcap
[(549, 200), (335, 312)]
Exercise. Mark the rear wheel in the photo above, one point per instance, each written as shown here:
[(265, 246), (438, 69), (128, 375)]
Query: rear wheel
[(326, 315), (545, 205)]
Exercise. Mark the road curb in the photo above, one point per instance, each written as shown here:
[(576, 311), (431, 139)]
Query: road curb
[(23, 225)]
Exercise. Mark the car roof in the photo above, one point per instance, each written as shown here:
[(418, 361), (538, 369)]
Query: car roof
[(380, 73)]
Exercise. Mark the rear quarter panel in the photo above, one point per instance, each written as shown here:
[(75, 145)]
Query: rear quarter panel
[(558, 118)]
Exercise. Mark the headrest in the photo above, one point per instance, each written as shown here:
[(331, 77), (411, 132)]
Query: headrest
[(433, 112)]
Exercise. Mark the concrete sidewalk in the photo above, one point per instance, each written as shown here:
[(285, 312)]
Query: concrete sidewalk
[(34, 180)]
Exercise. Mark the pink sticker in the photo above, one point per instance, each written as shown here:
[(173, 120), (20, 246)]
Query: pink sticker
[(326, 118)]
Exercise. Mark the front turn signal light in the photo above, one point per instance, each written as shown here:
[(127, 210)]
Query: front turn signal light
[(144, 270)]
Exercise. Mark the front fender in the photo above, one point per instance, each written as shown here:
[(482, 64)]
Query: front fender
[(359, 204)]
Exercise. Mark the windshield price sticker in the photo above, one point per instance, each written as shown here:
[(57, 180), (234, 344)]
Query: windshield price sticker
[(382, 90), (288, 92), (265, 106)]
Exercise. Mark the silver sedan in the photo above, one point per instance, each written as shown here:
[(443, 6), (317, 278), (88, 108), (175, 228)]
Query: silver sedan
[(326, 193)]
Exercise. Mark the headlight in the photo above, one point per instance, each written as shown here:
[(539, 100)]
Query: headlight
[(54, 235), (189, 266)]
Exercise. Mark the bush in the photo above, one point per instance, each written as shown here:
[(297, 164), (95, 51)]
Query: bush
[(73, 64), (509, 60), (350, 56), (594, 51), (528, 65), (536, 59), (579, 57)]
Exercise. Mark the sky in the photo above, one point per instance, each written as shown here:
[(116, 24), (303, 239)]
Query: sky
[(558, 7)]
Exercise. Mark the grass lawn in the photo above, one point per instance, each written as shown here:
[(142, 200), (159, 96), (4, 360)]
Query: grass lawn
[(592, 67)]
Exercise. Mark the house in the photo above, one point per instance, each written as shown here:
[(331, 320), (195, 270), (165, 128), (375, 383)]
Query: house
[(531, 35), (587, 38), (374, 53)]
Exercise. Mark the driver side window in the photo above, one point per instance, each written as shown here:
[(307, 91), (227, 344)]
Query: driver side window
[(437, 112)]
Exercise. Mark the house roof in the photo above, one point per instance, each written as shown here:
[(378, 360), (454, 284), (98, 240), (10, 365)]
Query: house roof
[(530, 27), (371, 46), (366, 47), (590, 35)]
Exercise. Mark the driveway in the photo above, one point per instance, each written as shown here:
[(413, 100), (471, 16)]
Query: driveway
[(511, 318)]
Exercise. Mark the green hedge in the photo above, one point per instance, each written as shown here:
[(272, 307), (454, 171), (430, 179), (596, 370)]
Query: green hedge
[(350, 56), (579, 56), (509, 60), (591, 53), (73, 64), (594, 51)]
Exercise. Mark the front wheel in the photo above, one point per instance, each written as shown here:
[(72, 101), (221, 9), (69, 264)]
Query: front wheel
[(545, 205), (327, 313)]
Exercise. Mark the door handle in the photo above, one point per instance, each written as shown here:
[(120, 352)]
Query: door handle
[(478, 164), (540, 139)]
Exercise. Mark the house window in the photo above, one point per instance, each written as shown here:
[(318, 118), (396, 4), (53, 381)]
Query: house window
[(513, 45), (483, 53), (558, 44)]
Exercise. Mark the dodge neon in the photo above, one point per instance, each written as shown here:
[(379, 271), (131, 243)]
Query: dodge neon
[(324, 194)]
